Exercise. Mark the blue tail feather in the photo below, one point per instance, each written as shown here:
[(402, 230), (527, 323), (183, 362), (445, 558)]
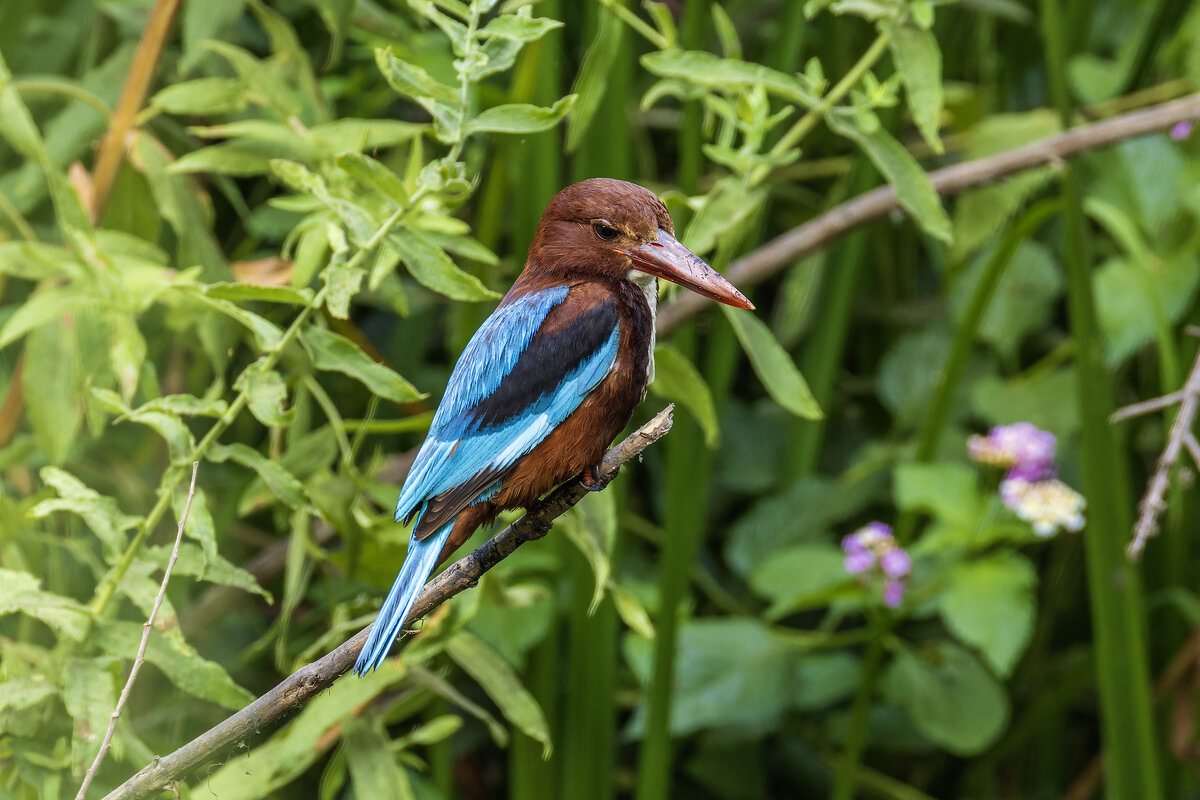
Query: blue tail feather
[(421, 559)]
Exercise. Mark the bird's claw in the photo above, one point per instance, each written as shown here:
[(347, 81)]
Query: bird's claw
[(593, 481)]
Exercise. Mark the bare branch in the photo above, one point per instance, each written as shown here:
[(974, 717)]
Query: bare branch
[(1154, 501), (308, 681), (1145, 407), (788, 248), (141, 653)]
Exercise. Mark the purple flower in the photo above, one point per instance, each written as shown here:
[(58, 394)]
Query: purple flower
[(893, 593), (872, 553), (1026, 450), (1181, 130), (895, 563)]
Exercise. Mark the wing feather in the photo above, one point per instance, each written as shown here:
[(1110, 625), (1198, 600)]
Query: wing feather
[(525, 370)]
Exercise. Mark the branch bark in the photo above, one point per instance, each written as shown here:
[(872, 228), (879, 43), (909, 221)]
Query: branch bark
[(308, 681), (787, 248)]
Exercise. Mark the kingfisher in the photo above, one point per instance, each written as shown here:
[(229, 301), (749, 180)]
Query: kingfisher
[(548, 380)]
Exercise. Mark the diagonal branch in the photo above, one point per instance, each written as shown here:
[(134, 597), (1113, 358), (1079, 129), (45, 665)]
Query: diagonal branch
[(308, 681), (788, 248)]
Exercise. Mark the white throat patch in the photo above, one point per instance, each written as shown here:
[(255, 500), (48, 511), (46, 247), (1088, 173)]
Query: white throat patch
[(649, 285)]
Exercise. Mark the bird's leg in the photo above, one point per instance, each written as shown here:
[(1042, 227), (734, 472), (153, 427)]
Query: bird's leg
[(592, 481)]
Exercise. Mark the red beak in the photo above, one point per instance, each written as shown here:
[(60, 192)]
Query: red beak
[(667, 258)]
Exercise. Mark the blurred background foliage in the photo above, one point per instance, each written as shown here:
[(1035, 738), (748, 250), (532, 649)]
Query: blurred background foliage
[(318, 202)]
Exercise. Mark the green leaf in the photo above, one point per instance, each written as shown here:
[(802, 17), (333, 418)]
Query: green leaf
[(706, 69), (1047, 399), (591, 82), (336, 353), (20, 592), (521, 27), (919, 62), (42, 307), (35, 261), (433, 269), (945, 490), (243, 292), (592, 527), (913, 189), (281, 482), (800, 577), (202, 97), (343, 283), (773, 365), (291, 751), (910, 372), (631, 610), (1129, 295), (20, 693), (677, 379), (412, 80), (726, 209), (267, 335), (375, 175), (502, 684), (1022, 300), (988, 603), (102, 514), (267, 394), (90, 695), (520, 117), (194, 562), (373, 769), (949, 696), (53, 386), (237, 158)]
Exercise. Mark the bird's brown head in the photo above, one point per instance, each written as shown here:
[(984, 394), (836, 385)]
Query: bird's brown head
[(618, 229)]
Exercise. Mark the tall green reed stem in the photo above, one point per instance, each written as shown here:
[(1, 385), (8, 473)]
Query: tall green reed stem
[(1114, 585)]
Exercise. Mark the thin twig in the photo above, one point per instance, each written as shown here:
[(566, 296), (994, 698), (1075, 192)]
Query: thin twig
[(1189, 441), (1154, 501), (141, 653), (308, 681), (786, 249), (1145, 407)]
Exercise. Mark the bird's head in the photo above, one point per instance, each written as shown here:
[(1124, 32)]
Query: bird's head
[(621, 230)]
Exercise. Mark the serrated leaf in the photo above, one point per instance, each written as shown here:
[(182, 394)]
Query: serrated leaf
[(343, 283), (503, 685), (521, 27), (334, 352), (914, 192), (178, 660), (20, 592), (267, 394), (678, 380), (919, 62), (282, 483), (773, 365), (413, 81), (988, 603), (102, 514), (433, 269), (706, 69), (520, 117)]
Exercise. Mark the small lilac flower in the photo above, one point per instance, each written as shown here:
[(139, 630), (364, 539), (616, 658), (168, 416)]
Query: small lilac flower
[(1181, 130), (872, 552), (895, 563), (1021, 445), (893, 593)]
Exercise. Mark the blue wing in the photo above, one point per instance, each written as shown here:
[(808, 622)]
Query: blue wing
[(516, 381)]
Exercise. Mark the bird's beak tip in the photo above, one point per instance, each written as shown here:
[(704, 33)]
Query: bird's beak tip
[(667, 258)]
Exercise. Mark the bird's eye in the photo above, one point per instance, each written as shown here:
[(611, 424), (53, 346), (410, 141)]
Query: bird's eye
[(604, 232)]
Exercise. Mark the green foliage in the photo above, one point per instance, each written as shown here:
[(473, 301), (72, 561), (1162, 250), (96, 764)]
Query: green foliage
[(318, 203)]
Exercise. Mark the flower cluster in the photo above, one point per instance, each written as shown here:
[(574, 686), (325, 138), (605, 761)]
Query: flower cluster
[(873, 550), (1030, 487)]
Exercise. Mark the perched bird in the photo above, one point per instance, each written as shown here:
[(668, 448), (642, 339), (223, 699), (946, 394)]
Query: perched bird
[(548, 380)]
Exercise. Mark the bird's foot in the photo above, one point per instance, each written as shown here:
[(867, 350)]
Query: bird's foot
[(540, 530), (592, 481)]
